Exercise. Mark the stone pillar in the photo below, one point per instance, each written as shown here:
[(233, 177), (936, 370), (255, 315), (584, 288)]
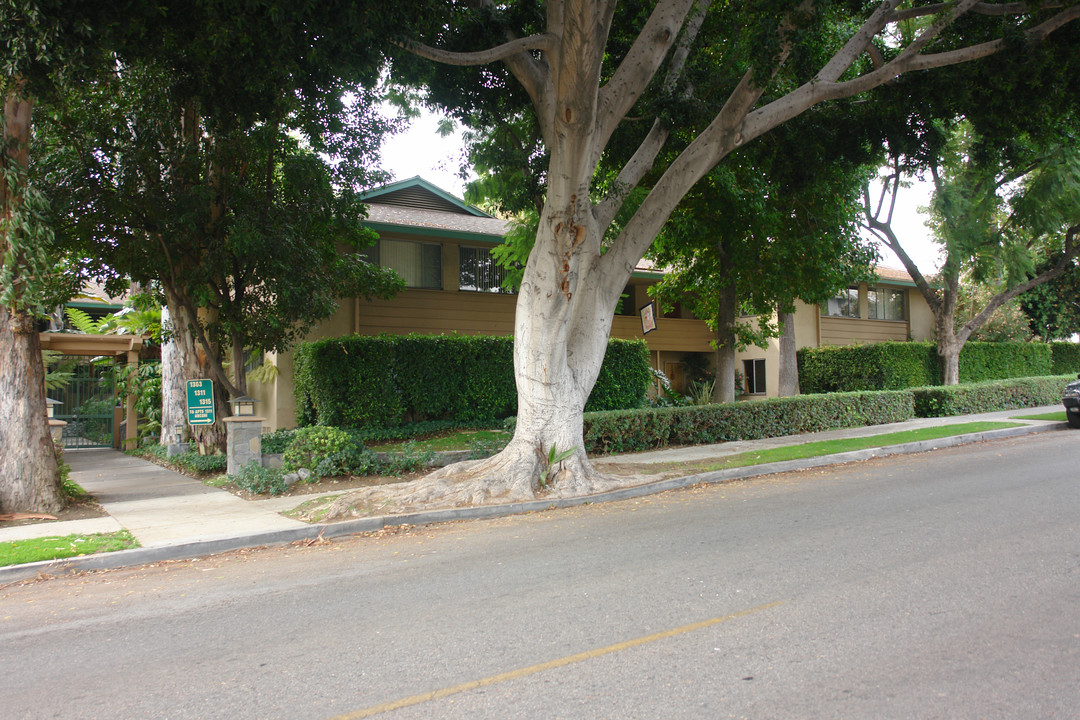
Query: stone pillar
[(56, 429), (243, 441)]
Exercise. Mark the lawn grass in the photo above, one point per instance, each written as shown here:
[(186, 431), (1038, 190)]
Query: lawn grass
[(1051, 417), (53, 548), (832, 447), (457, 440)]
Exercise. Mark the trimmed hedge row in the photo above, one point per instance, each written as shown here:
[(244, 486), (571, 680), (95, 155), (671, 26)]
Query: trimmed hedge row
[(881, 366), (1066, 358), (898, 365), (382, 381), (945, 400), (626, 431)]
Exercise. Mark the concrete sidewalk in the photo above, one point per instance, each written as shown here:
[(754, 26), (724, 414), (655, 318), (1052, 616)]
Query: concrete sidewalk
[(174, 516)]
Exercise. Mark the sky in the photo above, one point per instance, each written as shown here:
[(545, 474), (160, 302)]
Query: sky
[(421, 151)]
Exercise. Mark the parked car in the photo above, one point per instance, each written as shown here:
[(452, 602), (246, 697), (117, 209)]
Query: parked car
[(1072, 402)]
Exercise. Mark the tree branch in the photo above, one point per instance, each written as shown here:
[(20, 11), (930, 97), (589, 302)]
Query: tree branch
[(645, 57), (883, 230), (1001, 298), (543, 42)]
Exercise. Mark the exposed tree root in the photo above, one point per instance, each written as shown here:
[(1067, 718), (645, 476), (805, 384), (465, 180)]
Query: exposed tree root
[(517, 474)]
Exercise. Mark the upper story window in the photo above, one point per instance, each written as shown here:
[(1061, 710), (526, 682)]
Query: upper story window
[(886, 303), (419, 264), (479, 272), (844, 304)]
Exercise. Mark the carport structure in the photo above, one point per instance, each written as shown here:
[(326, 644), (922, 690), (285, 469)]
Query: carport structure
[(80, 344)]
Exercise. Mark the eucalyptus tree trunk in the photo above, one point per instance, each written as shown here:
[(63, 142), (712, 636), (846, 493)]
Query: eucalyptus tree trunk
[(788, 383), (29, 475), (173, 395), (193, 363)]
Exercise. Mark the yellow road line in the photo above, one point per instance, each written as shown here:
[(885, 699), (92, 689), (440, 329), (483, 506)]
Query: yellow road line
[(551, 664)]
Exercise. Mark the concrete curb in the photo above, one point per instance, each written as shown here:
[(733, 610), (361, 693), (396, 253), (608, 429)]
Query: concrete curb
[(223, 544)]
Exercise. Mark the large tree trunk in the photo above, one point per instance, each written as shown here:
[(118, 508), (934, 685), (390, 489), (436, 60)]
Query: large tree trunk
[(207, 439), (948, 348), (173, 396), (788, 384), (724, 387), (29, 476)]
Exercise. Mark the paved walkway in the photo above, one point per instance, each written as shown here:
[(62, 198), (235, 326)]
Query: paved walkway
[(172, 515)]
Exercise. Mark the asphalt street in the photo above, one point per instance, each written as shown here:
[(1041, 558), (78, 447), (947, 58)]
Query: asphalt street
[(936, 585)]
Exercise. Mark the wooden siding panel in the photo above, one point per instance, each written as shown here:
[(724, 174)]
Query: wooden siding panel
[(432, 312), (848, 331)]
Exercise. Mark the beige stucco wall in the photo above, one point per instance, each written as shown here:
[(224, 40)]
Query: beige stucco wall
[(921, 318)]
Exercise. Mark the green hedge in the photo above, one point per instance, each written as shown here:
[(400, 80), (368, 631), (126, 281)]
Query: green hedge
[(942, 401), (981, 361), (383, 381), (881, 366), (1066, 358), (898, 365), (644, 429)]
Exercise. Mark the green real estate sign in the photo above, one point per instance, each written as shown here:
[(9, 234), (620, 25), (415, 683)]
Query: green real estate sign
[(200, 402)]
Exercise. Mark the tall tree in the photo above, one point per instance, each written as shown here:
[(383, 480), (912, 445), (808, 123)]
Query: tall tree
[(239, 198), (766, 229), (46, 46), (586, 91), (997, 218)]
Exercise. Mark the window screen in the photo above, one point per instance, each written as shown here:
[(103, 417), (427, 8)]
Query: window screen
[(479, 272)]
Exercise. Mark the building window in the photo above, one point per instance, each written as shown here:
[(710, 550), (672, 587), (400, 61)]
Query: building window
[(754, 376), (418, 264), (478, 271), (886, 303), (845, 304)]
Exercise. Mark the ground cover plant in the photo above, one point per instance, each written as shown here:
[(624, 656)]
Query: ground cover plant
[(18, 552)]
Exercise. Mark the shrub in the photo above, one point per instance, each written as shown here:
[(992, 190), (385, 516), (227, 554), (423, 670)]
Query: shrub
[(942, 401), (409, 459), (981, 361), (257, 479), (325, 451), (276, 441), (624, 377), (630, 430), (1065, 358), (881, 366), (898, 365), (364, 381)]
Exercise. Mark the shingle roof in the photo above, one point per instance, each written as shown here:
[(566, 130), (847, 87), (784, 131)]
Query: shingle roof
[(893, 274), (437, 220)]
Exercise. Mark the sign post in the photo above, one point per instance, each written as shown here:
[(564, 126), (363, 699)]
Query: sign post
[(200, 402)]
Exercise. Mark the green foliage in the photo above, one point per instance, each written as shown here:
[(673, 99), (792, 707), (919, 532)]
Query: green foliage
[(409, 459), (1066, 358), (898, 365), (942, 401), (365, 381), (624, 377), (631, 430), (996, 361), (191, 462), (144, 382), (881, 366), (260, 480), (325, 451), (275, 442)]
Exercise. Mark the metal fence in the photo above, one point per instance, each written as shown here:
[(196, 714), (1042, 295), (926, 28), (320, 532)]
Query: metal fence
[(86, 405)]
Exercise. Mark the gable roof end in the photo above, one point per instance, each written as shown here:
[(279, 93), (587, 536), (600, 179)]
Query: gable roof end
[(418, 194)]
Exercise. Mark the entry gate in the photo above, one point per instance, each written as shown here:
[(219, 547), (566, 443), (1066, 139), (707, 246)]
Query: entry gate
[(87, 407)]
